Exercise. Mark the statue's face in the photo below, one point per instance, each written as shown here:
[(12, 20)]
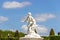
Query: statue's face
[(29, 13)]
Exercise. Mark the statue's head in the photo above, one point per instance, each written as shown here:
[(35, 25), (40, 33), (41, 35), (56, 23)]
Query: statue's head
[(29, 13)]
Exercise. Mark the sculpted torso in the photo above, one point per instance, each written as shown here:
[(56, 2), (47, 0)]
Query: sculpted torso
[(31, 23)]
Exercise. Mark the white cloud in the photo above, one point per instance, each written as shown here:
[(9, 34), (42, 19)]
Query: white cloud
[(40, 29), (24, 28), (3, 19), (44, 17), (41, 17), (15, 4)]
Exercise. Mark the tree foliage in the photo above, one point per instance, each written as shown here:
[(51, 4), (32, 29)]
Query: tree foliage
[(52, 32), (58, 33), (16, 33), (6, 32)]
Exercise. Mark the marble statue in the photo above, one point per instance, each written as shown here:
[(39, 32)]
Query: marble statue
[(32, 33), (31, 23)]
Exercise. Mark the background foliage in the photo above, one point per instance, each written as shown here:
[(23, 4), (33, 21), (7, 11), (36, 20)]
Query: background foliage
[(16, 35)]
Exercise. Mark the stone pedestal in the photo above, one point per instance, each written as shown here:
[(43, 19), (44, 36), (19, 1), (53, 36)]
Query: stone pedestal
[(30, 39)]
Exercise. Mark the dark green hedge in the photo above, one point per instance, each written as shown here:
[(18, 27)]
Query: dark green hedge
[(45, 38), (51, 38), (54, 37), (9, 38)]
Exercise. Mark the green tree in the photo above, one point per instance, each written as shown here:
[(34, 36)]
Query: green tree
[(0, 33), (58, 33), (52, 32), (17, 34)]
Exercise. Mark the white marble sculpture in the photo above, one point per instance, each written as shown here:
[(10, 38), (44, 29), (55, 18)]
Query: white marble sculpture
[(31, 27)]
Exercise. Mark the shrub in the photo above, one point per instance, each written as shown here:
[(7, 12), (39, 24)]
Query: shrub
[(45, 37), (54, 37), (52, 32), (8, 38), (16, 34)]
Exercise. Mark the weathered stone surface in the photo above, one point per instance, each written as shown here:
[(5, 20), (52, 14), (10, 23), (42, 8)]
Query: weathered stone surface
[(31, 39)]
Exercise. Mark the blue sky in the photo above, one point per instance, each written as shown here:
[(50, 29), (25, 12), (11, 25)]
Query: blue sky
[(46, 13)]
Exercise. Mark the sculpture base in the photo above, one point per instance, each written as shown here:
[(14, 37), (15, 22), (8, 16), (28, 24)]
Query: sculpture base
[(31, 39), (32, 36)]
